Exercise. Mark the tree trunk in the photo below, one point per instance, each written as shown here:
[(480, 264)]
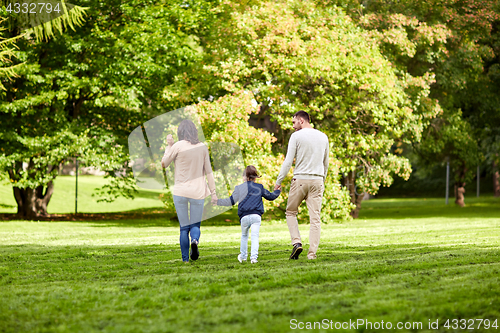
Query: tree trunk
[(25, 204), (356, 198), (496, 180), (460, 186), (43, 199), (33, 202), (459, 194)]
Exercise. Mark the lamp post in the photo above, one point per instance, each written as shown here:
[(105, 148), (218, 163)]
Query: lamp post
[(447, 179), (478, 176), (76, 186)]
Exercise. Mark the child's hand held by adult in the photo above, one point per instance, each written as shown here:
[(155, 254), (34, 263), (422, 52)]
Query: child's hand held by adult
[(214, 199)]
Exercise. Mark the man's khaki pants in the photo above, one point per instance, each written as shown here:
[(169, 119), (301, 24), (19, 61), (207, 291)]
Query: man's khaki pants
[(312, 191)]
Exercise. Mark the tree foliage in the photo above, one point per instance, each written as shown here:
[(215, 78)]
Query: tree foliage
[(295, 55), (7, 48), (464, 60), (375, 76), (82, 92)]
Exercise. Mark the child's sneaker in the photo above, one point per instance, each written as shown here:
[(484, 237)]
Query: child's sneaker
[(253, 261), (240, 258)]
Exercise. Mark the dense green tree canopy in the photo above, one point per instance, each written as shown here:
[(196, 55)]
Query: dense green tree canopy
[(295, 55), (464, 60), (373, 75), (81, 93)]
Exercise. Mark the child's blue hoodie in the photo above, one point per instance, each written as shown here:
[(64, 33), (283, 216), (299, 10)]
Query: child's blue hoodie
[(249, 195)]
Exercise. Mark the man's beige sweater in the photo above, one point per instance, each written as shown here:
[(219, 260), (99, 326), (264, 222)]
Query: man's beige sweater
[(309, 147)]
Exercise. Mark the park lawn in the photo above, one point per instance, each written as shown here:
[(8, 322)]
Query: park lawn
[(63, 198), (127, 276)]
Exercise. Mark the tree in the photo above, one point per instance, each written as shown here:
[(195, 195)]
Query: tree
[(296, 55), (464, 61), (226, 120), (82, 92), (35, 198)]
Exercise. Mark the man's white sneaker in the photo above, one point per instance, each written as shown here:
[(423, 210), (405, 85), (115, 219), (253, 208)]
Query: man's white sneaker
[(253, 261), (240, 258)]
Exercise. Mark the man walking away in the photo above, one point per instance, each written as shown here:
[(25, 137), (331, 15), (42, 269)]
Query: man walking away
[(309, 147)]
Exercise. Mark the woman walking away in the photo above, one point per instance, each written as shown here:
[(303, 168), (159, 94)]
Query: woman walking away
[(192, 163), (250, 210)]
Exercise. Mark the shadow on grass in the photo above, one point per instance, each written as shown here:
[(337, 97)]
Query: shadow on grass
[(227, 218), (146, 215), (141, 218), (6, 206), (407, 208)]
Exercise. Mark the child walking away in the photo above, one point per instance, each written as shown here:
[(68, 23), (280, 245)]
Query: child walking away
[(250, 209)]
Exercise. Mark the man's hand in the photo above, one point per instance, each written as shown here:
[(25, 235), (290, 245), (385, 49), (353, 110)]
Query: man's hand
[(277, 187), (170, 140)]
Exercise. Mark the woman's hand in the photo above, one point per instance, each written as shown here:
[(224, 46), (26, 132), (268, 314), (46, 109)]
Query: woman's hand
[(214, 199), (170, 140)]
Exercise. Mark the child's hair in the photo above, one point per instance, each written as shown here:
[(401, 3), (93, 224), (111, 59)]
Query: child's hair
[(250, 173)]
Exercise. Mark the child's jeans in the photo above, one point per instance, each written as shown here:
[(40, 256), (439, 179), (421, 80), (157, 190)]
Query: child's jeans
[(250, 222)]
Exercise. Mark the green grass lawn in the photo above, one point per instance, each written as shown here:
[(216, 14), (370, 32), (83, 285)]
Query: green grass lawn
[(63, 199), (403, 260)]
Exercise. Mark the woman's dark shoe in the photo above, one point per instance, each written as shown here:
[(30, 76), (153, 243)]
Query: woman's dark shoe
[(195, 253)]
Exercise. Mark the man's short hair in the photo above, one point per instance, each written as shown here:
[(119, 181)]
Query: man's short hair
[(302, 114)]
